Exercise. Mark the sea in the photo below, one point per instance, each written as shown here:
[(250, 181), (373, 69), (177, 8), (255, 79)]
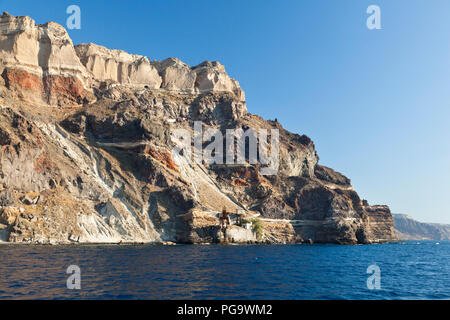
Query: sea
[(402, 270)]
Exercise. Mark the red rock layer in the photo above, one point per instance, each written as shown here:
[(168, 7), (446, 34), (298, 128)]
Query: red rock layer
[(51, 89)]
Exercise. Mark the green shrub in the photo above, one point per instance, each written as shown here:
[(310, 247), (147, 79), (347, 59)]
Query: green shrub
[(258, 228)]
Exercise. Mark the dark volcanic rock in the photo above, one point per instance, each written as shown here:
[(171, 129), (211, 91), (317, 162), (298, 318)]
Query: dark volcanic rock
[(329, 175), (89, 153), (7, 198)]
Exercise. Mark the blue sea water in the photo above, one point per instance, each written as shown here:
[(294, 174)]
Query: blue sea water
[(408, 270)]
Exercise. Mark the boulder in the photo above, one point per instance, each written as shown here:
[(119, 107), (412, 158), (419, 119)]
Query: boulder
[(28, 200), (7, 198), (9, 215)]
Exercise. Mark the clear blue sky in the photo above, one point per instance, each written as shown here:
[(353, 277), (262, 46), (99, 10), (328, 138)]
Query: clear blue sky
[(376, 103)]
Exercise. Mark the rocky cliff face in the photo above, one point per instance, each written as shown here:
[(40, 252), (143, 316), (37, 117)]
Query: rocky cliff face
[(86, 154), (118, 66), (40, 62), (407, 228)]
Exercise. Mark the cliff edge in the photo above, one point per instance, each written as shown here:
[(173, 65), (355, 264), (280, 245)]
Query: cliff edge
[(86, 137)]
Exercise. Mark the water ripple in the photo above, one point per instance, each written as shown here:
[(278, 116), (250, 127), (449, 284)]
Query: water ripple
[(408, 271)]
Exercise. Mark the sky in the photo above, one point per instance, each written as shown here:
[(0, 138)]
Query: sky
[(375, 102)]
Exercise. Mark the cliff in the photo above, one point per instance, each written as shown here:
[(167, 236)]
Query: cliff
[(87, 154), (406, 228)]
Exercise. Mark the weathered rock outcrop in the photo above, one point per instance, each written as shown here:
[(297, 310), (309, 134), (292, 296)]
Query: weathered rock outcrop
[(93, 160), (38, 49), (380, 222), (118, 66), (41, 64), (39, 61), (211, 76), (176, 75)]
